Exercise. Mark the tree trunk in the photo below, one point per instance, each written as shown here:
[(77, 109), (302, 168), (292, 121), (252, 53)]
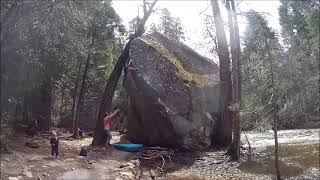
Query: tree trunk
[(61, 103), (80, 103), (237, 124), (236, 70), (106, 102), (274, 112), (75, 98), (275, 128), (26, 109), (45, 105), (223, 133)]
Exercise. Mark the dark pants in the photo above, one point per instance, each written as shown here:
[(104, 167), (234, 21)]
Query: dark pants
[(54, 150), (106, 136), (34, 131), (81, 134)]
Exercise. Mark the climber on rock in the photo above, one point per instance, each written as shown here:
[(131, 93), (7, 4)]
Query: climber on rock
[(130, 66)]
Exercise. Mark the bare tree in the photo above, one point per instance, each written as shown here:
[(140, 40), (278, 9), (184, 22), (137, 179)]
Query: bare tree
[(106, 102)]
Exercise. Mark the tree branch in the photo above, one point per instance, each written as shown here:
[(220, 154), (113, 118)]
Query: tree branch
[(140, 29), (144, 7)]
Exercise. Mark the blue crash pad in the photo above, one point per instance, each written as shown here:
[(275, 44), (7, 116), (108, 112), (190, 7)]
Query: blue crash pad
[(128, 147)]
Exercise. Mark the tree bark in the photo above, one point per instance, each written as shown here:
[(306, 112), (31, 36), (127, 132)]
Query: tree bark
[(106, 102), (223, 134), (236, 75)]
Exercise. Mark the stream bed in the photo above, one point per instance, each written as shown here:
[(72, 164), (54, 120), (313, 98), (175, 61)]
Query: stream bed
[(298, 153)]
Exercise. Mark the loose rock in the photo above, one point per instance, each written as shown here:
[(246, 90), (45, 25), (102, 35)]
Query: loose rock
[(28, 174), (68, 159), (32, 144), (13, 178), (152, 174)]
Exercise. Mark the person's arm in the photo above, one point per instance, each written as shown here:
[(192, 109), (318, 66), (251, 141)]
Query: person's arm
[(114, 114), (129, 63), (131, 68)]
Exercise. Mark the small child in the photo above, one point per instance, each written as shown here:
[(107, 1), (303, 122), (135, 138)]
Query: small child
[(54, 141)]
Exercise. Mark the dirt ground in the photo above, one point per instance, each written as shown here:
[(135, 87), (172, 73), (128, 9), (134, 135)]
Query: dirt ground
[(107, 163), (36, 163)]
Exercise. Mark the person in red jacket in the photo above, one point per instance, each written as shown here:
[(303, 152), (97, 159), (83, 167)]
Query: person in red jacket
[(106, 127)]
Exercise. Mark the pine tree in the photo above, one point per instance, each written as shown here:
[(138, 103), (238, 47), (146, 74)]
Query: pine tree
[(260, 54)]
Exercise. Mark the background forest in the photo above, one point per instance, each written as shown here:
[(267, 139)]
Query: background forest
[(56, 57)]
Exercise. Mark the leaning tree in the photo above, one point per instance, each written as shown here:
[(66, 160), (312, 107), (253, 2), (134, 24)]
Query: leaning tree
[(106, 102)]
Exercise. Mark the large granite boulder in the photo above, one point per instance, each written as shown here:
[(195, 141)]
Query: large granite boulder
[(173, 95)]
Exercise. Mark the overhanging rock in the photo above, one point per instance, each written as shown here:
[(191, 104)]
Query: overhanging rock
[(173, 96)]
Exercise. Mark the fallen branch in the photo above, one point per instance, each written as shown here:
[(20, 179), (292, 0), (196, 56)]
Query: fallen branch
[(249, 157), (163, 161), (155, 153)]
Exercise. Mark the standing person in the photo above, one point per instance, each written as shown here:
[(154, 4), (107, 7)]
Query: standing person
[(106, 136), (54, 141), (33, 128), (81, 133)]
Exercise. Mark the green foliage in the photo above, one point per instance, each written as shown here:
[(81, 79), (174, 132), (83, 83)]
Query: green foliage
[(169, 26), (295, 66), (313, 28), (257, 87), (44, 43), (300, 21)]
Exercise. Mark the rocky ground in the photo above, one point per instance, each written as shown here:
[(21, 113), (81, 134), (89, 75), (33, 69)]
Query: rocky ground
[(106, 163), (35, 163)]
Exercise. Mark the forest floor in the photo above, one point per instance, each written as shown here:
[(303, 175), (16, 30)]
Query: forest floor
[(107, 163)]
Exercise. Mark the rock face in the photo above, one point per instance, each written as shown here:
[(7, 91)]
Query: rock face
[(173, 95)]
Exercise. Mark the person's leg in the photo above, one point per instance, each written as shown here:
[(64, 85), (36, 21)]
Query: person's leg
[(81, 134), (52, 150), (33, 132), (57, 151), (109, 138), (37, 131), (103, 137)]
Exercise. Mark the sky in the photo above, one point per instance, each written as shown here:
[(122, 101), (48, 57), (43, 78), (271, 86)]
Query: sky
[(192, 14)]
